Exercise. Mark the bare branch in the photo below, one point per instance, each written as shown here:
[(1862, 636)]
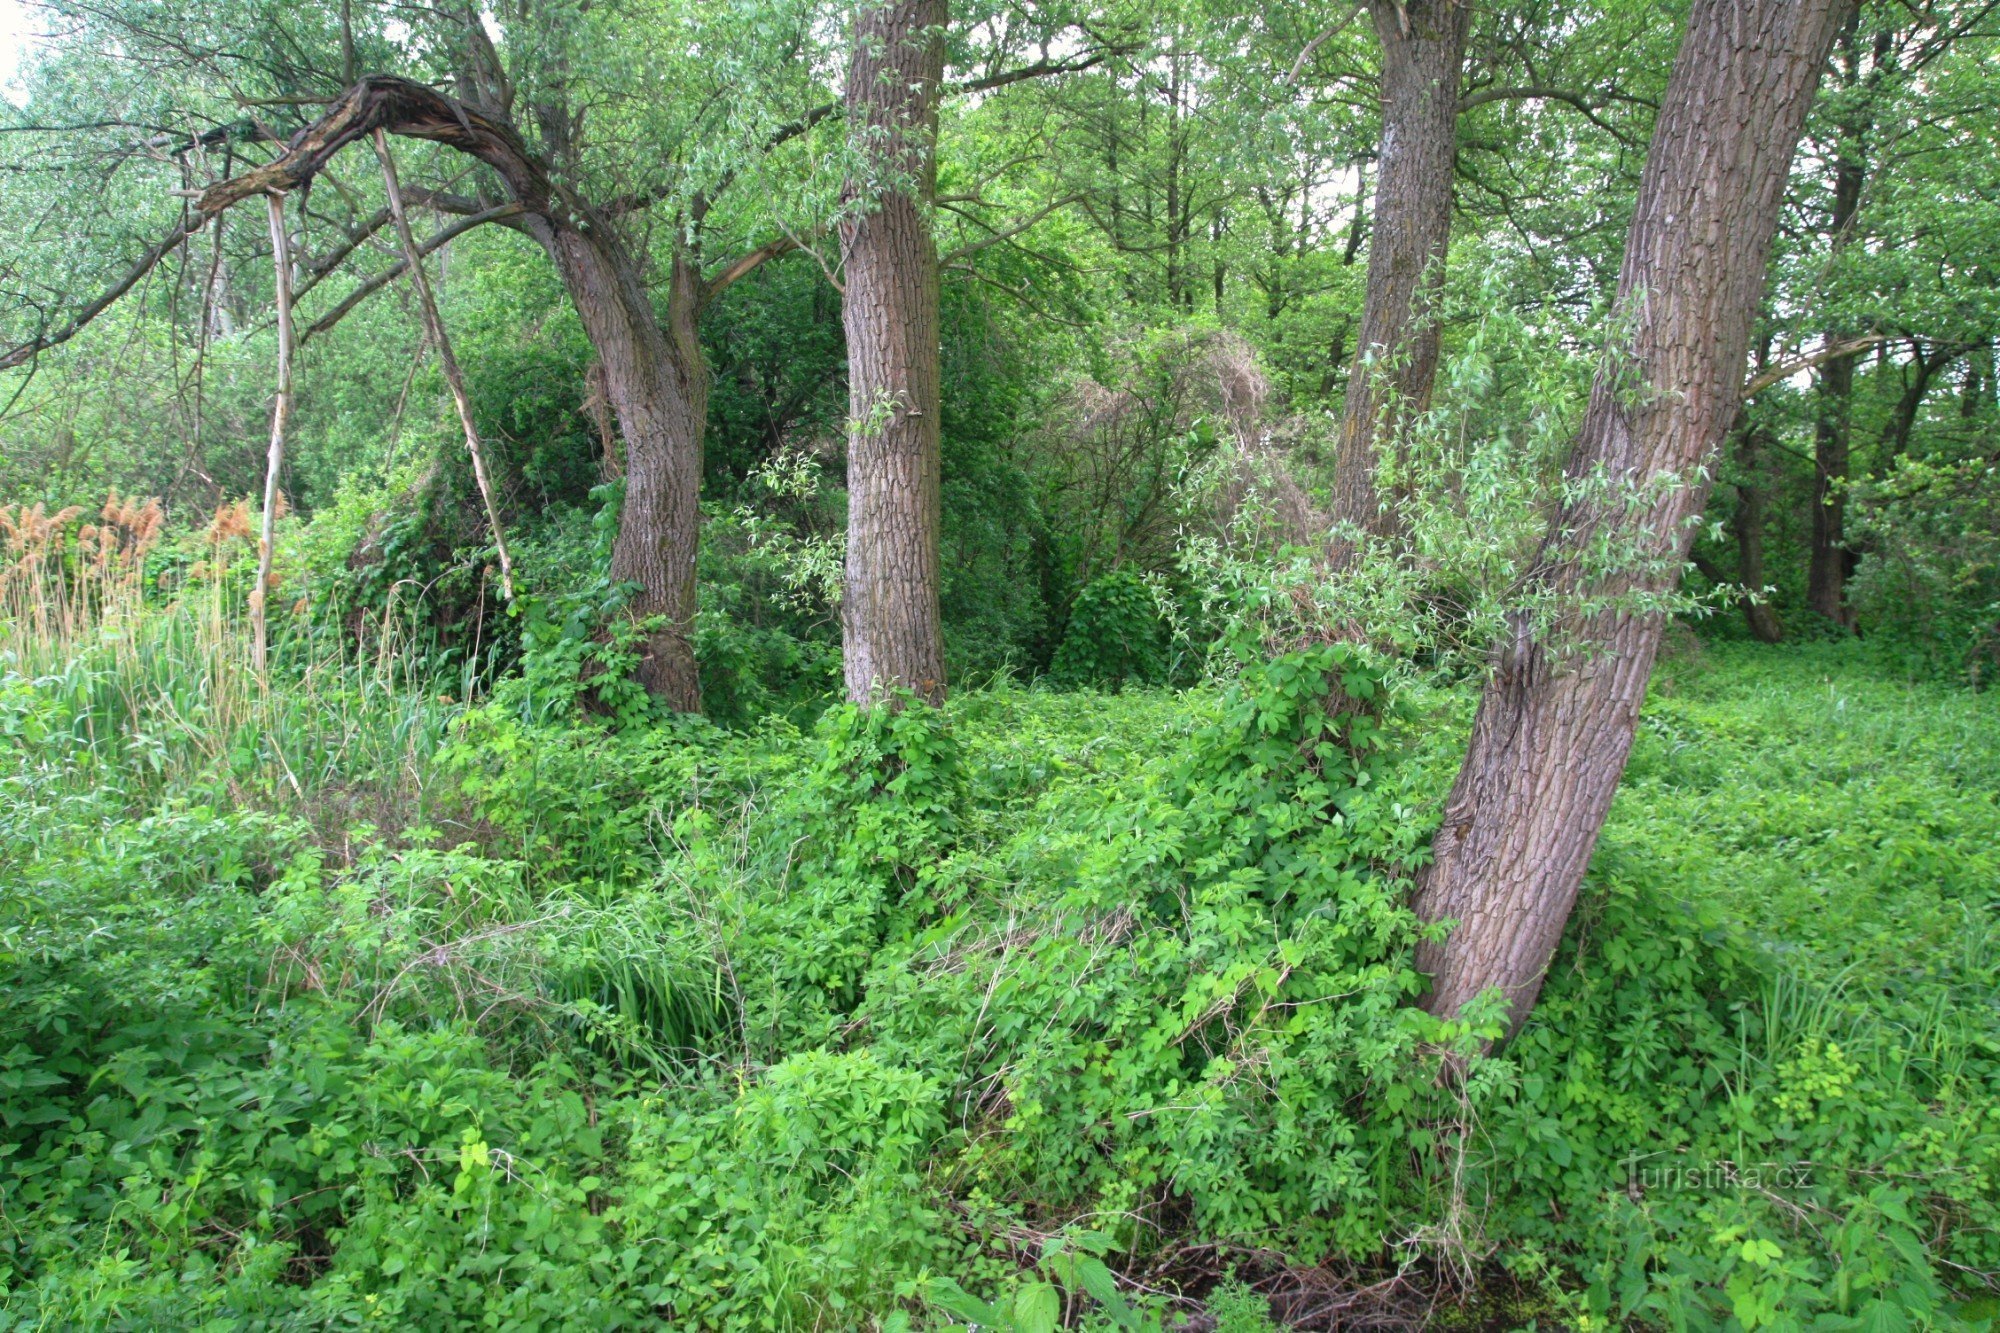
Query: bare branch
[(399, 106), (745, 266), (28, 351), (446, 357), (375, 282), (1332, 31), (1541, 93), (414, 111), (1008, 233), (1784, 370), (281, 408)]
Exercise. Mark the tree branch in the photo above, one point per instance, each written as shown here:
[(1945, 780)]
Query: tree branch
[(793, 129), (396, 105), (375, 282), (402, 107), (745, 266), (1784, 370), (1538, 92), (1332, 30), (1039, 70), (28, 351), (1009, 233)]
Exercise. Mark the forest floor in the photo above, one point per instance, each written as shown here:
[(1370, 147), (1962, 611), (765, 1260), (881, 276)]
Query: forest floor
[(350, 1003)]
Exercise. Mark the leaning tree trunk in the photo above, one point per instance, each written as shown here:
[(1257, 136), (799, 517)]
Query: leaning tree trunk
[(891, 632), (1423, 52), (656, 380), (1556, 720)]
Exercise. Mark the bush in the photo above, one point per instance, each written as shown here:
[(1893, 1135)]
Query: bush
[(1116, 636)]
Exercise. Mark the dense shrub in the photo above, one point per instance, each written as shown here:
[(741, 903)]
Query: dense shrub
[(930, 1014)]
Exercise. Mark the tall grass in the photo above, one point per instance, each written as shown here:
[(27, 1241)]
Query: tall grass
[(148, 650), (125, 651)]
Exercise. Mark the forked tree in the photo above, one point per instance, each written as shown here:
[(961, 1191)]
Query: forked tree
[(891, 631), (653, 371), (1556, 719)]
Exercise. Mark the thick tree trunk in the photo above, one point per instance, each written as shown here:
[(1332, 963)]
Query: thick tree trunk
[(891, 629), (1555, 723), (1423, 52), (656, 381)]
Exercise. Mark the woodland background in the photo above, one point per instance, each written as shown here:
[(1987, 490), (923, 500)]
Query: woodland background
[(574, 939)]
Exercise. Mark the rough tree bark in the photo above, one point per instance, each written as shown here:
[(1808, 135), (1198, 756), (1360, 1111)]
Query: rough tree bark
[(891, 632), (657, 381), (1556, 720), (1395, 359)]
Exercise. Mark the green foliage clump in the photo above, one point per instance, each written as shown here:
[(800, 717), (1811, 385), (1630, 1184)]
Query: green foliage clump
[(923, 1014), (1115, 637), (1141, 1017), (1931, 594)]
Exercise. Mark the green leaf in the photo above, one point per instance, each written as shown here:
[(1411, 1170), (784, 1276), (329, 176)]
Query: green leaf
[(1037, 1308), (1097, 1280), (948, 1296)]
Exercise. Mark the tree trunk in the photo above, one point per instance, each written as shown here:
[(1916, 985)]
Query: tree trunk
[(656, 382), (1978, 385), (1831, 561), (656, 379), (1556, 720), (1748, 526), (1423, 52), (1826, 574), (892, 638), (1926, 366)]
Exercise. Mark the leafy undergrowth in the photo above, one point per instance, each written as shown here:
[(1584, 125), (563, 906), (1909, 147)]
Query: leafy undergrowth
[(1764, 1081), (1021, 1013)]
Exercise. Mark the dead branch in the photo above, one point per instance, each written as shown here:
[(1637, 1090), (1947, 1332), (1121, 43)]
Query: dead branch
[(281, 262), (1784, 370), (434, 325)]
